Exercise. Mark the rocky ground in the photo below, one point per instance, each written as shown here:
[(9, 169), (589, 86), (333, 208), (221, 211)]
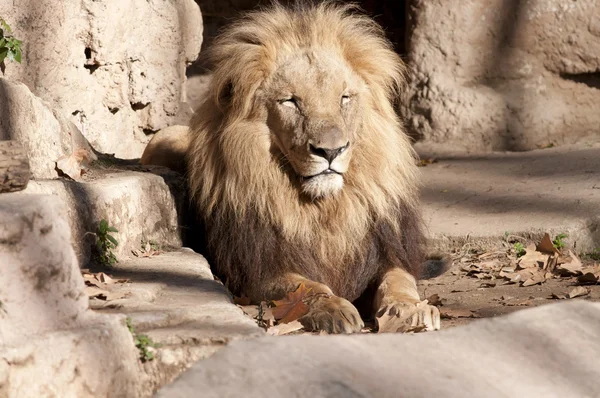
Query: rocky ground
[(164, 310)]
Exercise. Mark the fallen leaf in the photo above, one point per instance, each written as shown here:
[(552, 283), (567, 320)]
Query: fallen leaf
[(101, 294), (578, 292), (284, 328), (457, 313), (434, 300), (102, 277), (532, 258), (588, 278), (250, 310), (569, 265), (538, 277), (560, 296), (243, 301), (291, 307), (546, 245), (72, 165)]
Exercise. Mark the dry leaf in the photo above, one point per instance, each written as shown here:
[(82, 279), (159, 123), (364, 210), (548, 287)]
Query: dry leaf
[(243, 301), (250, 310), (292, 307), (560, 296), (588, 278), (457, 313), (72, 165), (435, 300), (569, 265), (533, 259), (101, 294), (578, 292), (546, 246), (102, 277), (284, 328), (537, 278)]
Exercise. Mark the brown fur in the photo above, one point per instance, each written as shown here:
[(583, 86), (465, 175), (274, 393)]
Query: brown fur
[(260, 226)]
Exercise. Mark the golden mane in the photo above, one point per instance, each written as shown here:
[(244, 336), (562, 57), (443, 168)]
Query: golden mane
[(249, 203)]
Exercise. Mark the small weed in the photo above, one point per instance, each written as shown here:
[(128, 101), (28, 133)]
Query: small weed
[(105, 243), (10, 46), (558, 241), (142, 342), (593, 255), (519, 249)]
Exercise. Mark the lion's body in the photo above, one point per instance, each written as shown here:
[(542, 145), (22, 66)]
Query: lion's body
[(258, 223), (269, 226)]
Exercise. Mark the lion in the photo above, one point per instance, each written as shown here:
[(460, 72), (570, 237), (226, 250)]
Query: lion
[(301, 170)]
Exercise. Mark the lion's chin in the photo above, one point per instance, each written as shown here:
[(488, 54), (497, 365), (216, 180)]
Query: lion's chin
[(322, 186)]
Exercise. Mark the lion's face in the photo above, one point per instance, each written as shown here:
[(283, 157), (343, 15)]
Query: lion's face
[(313, 113)]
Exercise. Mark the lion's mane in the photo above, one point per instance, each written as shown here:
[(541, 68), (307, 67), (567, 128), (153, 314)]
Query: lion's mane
[(258, 223)]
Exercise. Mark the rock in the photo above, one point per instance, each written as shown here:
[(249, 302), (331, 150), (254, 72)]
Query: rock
[(45, 134), (478, 199), (498, 75), (115, 68), (548, 351), (174, 299), (141, 206), (51, 344)]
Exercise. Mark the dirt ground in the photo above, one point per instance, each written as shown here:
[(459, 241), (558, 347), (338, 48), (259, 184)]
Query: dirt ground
[(463, 297)]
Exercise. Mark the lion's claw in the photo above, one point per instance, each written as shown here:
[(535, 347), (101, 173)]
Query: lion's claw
[(406, 317), (332, 314)]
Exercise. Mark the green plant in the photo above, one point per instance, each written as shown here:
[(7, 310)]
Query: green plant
[(519, 249), (142, 343), (105, 243), (594, 255), (558, 241), (10, 46)]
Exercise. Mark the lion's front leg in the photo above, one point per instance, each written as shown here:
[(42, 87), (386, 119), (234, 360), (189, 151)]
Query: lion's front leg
[(327, 311), (397, 299)]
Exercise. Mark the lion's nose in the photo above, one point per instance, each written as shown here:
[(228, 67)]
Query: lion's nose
[(328, 153)]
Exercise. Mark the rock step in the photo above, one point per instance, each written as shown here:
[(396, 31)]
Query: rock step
[(174, 299), (46, 327), (480, 199), (141, 206)]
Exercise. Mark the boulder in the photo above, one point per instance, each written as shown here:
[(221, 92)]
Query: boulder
[(51, 344), (115, 68), (503, 75), (46, 135), (548, 351)]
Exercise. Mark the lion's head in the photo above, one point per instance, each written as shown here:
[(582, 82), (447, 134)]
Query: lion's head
[(314, 106), (299, 137)]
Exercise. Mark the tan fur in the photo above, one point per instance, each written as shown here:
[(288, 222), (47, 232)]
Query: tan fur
[(273, 221), (254, 178), (168, 148)]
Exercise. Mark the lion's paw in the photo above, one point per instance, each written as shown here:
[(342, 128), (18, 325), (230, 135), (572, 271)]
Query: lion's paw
[(407, 317), (332, 314)]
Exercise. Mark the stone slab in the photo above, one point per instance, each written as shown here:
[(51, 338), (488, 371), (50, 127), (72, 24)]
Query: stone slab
[(141, 206), (174, 299), (51, 344), (548, 351), (484, 197)]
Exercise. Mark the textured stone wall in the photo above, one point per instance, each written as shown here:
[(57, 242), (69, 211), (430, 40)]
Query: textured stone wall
[(504, 74), (115, 68)]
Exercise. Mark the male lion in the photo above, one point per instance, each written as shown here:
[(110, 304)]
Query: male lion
[(301, 171)]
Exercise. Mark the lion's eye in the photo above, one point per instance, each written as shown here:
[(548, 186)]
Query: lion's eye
[(345, 100), (289, 102)]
